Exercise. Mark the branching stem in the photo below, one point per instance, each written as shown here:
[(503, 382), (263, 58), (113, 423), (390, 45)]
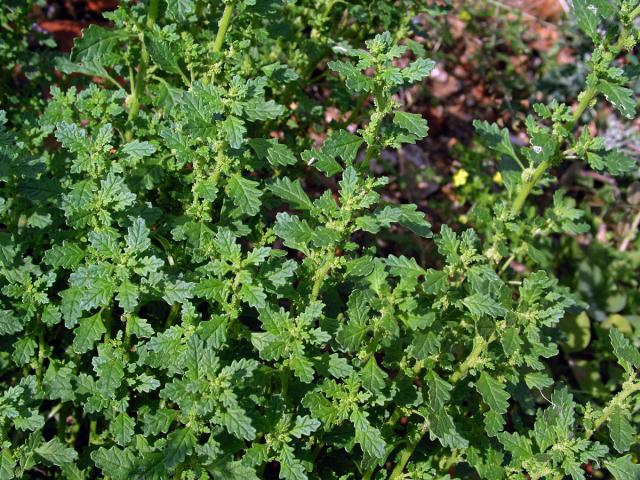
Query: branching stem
[(586, 99)]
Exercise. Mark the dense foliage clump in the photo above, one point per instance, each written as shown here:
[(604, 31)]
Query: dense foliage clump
[(202, 277)]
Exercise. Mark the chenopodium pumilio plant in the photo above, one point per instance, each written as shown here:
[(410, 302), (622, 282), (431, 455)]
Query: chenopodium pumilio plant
[(179, 301)]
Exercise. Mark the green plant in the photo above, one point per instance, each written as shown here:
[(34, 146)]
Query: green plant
[(192, 289)]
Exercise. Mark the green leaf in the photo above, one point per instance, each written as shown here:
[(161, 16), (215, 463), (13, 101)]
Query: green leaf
[(115, 462), (621, 98), (296, 233), (98, 293), (493, 393), (245, 194), (372, 376), (276, 153), (279, 154), (441, 427), (233, 130), (586, 13), (259, 109), (111, 374), (292, 193), (620, 429), (137, 238), (439, 391), (418, 69), (254, 295), (342, 144), (404, 267), (7, 465), (23, 350), (180, 10), (161, 52), (122, 429), (538, 380), (55, 452), (178, 291), (623, 468), (424, 345), (493, 423), (627, 355), (411, 122), (67, 255), (516, 444), (495, 138), (480, 304), (354, 79), (127, 296), (304, 426), (302, 368), (179, 444), (322, 161), (577, 328), (96, 44), (136, 150), (290, 467), (369, 438), (88, 333), (238, 423), (351, 334)]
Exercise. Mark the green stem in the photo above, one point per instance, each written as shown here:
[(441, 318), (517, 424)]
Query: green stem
[(284, 382), (585, 100), (479, 345), (407, 452), (526, 187), (93, 426), (629, 387), (506, 264), (152, 13), (320, 276), (223, 26), (173, 313)]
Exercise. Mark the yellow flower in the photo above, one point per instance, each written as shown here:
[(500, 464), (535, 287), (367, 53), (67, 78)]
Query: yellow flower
[(497, 178), (460, 177), (465, 16)]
